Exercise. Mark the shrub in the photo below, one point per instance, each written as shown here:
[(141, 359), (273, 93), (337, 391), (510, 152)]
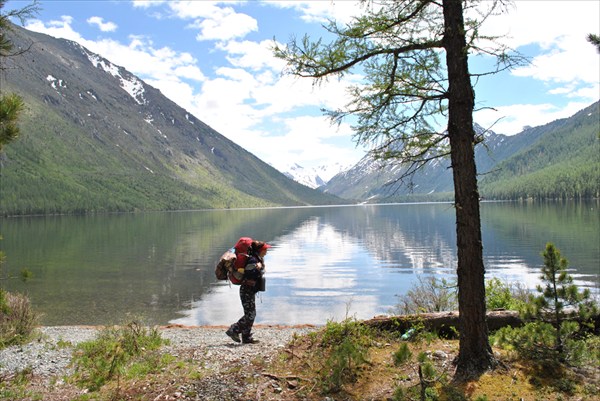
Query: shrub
[(346, 346), (502, 295), (429, 295), (553, 337), (17, 318), (557, 296), (402, 355), (114, 352)]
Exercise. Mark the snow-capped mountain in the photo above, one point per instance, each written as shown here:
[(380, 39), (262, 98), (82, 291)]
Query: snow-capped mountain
[(314, 177), (371, 178)]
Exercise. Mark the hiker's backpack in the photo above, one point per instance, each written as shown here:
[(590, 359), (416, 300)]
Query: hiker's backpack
[(231, 265)]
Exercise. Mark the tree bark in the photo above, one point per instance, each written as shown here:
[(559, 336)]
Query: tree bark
[(475, 353)]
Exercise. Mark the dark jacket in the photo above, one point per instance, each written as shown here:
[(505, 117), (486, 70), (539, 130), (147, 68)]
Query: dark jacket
[(253, 271)]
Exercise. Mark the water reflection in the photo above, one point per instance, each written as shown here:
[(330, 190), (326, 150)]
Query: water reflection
[(355, 261), (313, 274), (327, 262)]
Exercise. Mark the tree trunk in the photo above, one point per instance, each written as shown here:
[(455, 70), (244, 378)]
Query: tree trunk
[(475, 354)]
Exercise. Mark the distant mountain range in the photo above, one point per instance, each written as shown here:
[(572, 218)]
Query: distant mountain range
[(314, 177), (97, 138), (557, 160)]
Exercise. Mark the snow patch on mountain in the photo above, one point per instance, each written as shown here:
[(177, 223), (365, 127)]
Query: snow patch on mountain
[(131, 84), (313, 177)]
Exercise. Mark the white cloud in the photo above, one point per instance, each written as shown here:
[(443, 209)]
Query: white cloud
[(139, 56), (103, 26), (543, 22), (147, 3), (252, 55), (57, 28), (560, 29), (231, 26), (554, 33), (570, 59), (322, 11), (213, 21), (278, 118)]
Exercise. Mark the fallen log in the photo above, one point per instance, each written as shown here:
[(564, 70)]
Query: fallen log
[(444, 323)]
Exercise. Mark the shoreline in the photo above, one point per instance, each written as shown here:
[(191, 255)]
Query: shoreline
[(49, 353)]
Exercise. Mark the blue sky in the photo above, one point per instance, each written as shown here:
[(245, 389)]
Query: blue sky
[(214, 59)]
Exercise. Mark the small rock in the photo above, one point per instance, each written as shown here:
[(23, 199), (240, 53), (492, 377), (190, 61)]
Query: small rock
[(439, 355)]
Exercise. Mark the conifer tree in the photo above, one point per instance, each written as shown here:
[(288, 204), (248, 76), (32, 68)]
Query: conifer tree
[(11, 105), (559, 296), (400, 47)]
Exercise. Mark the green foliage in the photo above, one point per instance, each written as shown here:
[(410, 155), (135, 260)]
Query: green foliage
[(559, 291), (559, 296), (16, 388), (116, 352), (501, 295), (534, 340), (11, 106), (428, 295), (402, 355), (435, 295), (17, 318), (428, 378), (346, 345), (553, 337), (563, 164), (594, 40), (79, 153)]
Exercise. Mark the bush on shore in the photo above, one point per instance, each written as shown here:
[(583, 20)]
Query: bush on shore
[(17, 318)]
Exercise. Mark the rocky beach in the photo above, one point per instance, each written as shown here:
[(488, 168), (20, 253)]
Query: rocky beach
[(47, 360)]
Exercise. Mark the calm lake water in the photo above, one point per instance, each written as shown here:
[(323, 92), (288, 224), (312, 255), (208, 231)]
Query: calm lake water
[(327, 263)]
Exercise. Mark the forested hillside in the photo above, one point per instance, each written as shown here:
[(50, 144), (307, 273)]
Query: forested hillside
[(562, 164), (96, 138), (558, 160)]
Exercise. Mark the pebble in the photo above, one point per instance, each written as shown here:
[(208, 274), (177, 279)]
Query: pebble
[(50, 353)]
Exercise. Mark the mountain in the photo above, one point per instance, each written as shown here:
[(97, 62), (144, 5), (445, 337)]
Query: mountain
[(95, 137), (314, 177), (502, 162), (372, 179), (563, 163)]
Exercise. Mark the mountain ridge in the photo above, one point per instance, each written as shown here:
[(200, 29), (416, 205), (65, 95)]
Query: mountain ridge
[(93, 129), (373, 181), (314, 177)]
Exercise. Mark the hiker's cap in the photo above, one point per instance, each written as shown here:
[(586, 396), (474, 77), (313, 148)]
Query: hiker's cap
[(265, 247)]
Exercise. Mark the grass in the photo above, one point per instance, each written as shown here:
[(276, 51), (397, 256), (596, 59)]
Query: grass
[(118, 353), (343, 361), (390, 370), (17, 318)]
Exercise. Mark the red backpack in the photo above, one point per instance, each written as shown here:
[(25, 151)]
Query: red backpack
[(231, 265)]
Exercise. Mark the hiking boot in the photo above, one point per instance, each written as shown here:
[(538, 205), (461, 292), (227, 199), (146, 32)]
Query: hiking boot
[(249, 340), (233, 335)]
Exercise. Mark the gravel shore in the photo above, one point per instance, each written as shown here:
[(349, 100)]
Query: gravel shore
[(48, 356)]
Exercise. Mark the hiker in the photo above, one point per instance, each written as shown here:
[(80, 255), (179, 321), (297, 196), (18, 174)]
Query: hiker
[(251, 284)]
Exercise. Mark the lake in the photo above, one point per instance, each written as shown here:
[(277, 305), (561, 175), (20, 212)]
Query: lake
[(327, 263)]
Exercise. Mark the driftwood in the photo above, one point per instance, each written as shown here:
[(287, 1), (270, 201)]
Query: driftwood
[(446, 323)]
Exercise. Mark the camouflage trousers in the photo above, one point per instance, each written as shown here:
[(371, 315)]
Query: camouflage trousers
[(248, 298)]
